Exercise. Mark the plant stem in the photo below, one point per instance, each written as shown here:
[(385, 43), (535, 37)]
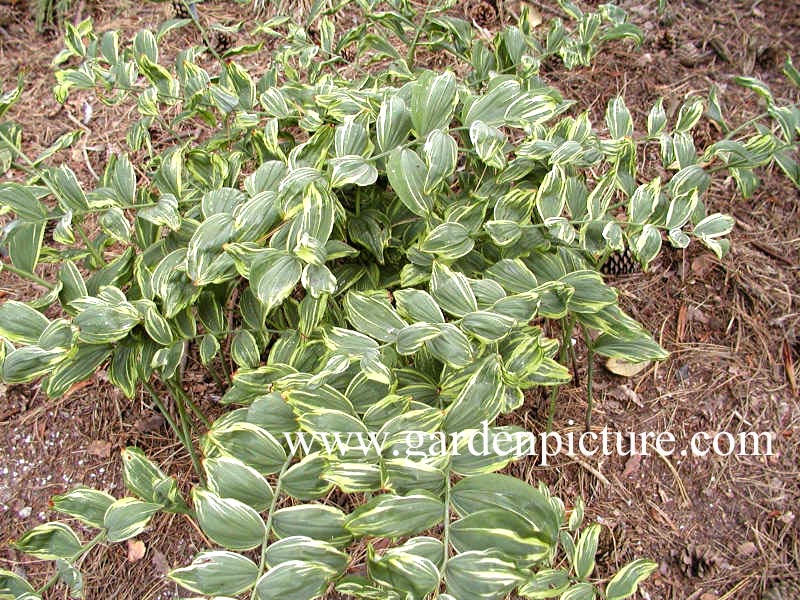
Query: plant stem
[(216, 378), (164, 412), (567, 325), (203, 32), (53, 190), (72, 559), (192, 405), (446, 529), (589, 373), (31, 276), (96, 254), (179, 396), (225, 369), (412, 48), (265, 542)]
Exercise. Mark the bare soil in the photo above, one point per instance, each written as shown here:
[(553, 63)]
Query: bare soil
[(720, 527)]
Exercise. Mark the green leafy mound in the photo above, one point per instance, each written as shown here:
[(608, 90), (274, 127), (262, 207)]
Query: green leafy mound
[(373, 255)]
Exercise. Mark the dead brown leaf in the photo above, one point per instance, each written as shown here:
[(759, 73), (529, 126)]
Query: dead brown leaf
[(632, 465), (681, 327), (136, 550), (99, 448), (788, 364), (703, 265), (160, 562)]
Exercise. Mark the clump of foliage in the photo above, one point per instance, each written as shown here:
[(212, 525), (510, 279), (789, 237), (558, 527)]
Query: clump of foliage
[(379, 253)]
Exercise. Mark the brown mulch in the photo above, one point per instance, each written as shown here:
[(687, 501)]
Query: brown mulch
[(720, 528)]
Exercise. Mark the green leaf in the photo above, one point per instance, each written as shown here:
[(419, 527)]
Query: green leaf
[(164, 213), (492, 490), (448, 241), (451, 346), (513, 275), (579, 591), (78, 366), (413, 337), (325, 523), (372, 315), (21, 324), (85, 504), (294, 580), (304, 480), (274, 274), (217, 573), (407, 174), (714, 226), (148, 482), (647, 244), (102, 323), (452, 291), (353, 169), (403, 571), (244, 350), (487, 326), (29, 362), (388, 515), (590, 293), (480, 399), (481, 575), (433, 101), (585, 551), (229, 477), (416, 305), (15, 587), (639, 349), (230, 523), (127, 518), (547, 583), (502, 530), (492, 106), (618, 119), (304, 548), (441, 156), (206, 262), (758, 86), (50, 541), (625, 583), (393, 124), (22, 201), (656, 119), (24, 244), (70, 191), (489, 143), (689, 114), (252, 445), (123, 180)]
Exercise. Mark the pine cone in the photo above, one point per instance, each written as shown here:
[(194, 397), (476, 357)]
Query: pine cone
[(620, 263), (223, 42), (483, 13), (348, 53), (697, 561), (782, 590), (180, 9)]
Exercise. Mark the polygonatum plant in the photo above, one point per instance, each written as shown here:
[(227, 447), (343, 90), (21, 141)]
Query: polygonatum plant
[(381, 254)]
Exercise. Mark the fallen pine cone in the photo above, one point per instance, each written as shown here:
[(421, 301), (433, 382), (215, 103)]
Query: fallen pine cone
[(782, 590), (483, 13), (620, 263), (223, 42), (698, 561)]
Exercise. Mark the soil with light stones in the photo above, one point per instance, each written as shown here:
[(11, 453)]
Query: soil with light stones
[(720, 527)]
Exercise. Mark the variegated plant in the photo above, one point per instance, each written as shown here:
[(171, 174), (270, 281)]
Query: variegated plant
[(384, 254)]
